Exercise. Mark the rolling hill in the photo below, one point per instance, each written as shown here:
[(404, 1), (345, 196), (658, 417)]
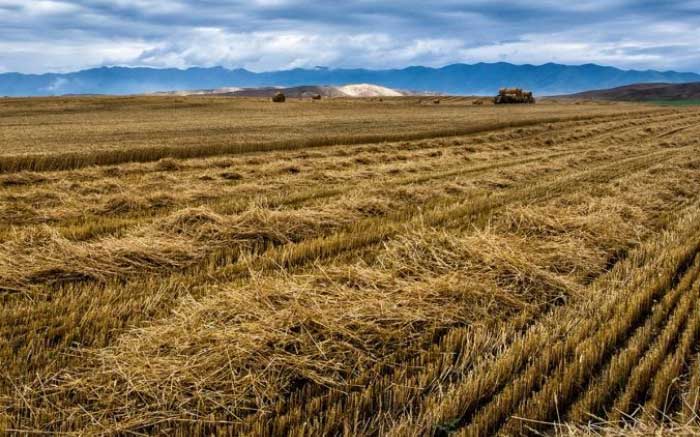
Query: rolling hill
[(464, 79), (646, 92)]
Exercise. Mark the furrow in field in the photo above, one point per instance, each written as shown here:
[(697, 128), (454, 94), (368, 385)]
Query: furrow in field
[(401, 217), (278, 233), (455, 216), (291, 198), (61, 331), (563, 384), (89, 225), (488, 396), (372, 396), (458, 213), (340, 407), (674, 131), (615, 376), (664, 394), (229, 253), (643, 374), (12, 183), (465, 214), (690, 412), (69, 161), (489, 419), (363, 398)]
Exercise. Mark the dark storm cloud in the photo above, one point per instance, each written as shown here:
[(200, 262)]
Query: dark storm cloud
[(41, 35)]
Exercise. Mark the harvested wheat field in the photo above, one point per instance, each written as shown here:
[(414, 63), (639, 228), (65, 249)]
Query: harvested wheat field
[(229, 266)]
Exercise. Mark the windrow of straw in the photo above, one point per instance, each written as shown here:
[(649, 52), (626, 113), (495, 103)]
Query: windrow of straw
[(75, 160), (438, 369), (185, 237), (92, 326), (68, 198), (320, 328), (325, 325), (459, 401)]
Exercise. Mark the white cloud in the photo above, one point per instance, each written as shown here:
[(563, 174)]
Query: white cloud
[(261, 51), (60, 35), (65, 56), (49, 7), (57, 86)]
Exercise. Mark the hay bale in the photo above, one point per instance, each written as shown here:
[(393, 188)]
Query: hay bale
[(22, 178), (279, 97), (120, 204), (167, 164), (231, 176)]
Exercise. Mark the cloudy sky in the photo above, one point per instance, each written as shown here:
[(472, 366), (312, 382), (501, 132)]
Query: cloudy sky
[(65, 35)]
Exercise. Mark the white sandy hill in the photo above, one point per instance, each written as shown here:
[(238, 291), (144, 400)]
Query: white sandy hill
[(368, 90)]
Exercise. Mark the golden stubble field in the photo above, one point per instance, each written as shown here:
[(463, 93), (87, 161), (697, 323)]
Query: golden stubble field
[(192, 266)]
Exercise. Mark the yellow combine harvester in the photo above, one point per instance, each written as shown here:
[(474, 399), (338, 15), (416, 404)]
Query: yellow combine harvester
[(513, 95)]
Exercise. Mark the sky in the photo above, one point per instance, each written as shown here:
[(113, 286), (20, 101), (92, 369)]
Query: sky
[(39, 36)]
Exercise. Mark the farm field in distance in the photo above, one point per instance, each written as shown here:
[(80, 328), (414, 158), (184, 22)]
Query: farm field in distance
[(230, 266)]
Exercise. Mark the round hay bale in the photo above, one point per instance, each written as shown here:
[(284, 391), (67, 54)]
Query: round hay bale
[(279, 98)]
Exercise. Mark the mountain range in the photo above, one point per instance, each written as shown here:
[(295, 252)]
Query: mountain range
[(459, 79)]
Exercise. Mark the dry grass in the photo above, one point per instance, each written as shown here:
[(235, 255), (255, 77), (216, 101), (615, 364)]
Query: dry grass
[(79, 132), (456, 268), (635, 429)]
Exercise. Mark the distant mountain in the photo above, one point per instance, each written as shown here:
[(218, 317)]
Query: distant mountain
[(645, 92), (354, 90), (484, 79)]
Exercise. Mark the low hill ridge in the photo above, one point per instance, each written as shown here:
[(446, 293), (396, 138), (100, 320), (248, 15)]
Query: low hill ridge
[(646, 92)]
